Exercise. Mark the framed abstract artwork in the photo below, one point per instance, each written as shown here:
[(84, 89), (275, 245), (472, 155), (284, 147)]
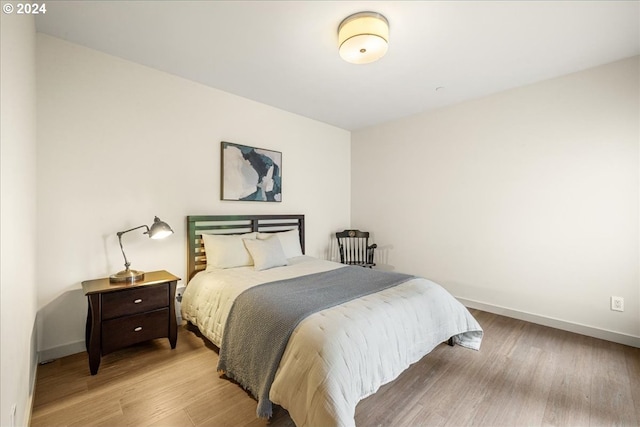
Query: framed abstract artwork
[(250, 173)]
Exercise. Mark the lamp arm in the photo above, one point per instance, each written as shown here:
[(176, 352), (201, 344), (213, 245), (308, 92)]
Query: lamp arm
[(119, 234)]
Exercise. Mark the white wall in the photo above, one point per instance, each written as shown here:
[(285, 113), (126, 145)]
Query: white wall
[(18, 216), (524, 202), (119, 143)]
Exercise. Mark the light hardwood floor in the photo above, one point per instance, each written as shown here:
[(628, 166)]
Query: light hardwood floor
[(524, 375)]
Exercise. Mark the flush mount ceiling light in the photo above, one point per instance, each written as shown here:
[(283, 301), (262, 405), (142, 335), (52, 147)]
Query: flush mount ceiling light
[(363, 37)]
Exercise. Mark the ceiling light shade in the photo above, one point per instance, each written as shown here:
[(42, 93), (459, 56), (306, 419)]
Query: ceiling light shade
[(363, 37)]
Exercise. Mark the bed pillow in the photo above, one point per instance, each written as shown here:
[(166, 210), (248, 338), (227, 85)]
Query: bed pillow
[(266, 253), (289, 240), (227, 251)]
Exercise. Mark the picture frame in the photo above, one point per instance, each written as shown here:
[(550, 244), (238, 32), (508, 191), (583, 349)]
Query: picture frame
[(250, 173)]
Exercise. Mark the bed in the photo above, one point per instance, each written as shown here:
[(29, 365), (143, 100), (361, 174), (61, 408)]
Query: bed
[(331, 357)]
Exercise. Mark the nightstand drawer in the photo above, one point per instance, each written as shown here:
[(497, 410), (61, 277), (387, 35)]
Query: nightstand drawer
[(133, 301), (125, 331)]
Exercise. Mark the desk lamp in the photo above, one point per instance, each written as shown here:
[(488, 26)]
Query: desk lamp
[(158, 230)]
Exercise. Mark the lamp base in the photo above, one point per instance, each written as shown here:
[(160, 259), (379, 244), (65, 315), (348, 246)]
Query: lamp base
[(127, 276)]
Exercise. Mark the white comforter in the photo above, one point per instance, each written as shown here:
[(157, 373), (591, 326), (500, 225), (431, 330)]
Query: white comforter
[(338, 356)]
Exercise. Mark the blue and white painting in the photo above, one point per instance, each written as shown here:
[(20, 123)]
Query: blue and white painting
[(250, 173)]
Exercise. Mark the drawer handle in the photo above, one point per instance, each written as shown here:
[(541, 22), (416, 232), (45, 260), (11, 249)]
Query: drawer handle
[(138, 301), (138, 329)]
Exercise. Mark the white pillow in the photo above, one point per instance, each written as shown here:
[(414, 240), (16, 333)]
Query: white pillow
[(290, 241), (227, 251), (266, 253)]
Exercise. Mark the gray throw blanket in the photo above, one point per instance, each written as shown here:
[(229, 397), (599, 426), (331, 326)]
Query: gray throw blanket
[(263, 317)]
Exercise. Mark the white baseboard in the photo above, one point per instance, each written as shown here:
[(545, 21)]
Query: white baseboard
[(577, 328), (72, 348), (33, 373), (630, 340), (61, 351), (28, 408)]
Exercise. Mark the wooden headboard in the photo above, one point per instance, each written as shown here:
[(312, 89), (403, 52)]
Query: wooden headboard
[(233, 224)]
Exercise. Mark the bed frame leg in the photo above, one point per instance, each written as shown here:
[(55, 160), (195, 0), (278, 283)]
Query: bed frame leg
[(450, 342)]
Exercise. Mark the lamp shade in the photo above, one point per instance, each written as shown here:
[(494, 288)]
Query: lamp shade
[(363, 37), (159, 229)]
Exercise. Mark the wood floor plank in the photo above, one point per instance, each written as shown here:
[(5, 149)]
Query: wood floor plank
[(523, 375), (570, 397), (177, 418), (612, 400), (632, 357), (82, 413), (533, 387)]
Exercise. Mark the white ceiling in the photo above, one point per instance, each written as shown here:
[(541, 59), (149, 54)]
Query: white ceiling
[(284, 53)]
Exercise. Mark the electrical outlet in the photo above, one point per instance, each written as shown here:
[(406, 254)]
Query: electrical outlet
[(180, 292), (617, 303)]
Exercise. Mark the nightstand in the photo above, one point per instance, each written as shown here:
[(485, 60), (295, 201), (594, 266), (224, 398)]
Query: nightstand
[(121, 315)]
